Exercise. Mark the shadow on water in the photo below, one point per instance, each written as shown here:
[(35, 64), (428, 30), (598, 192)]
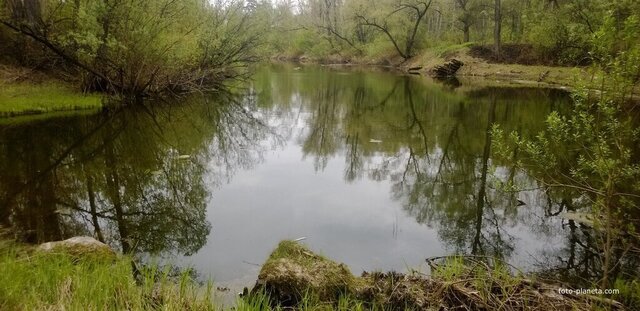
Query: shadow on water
[(142, 179)]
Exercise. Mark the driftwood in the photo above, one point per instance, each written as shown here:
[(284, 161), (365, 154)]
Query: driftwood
[(449, 69)]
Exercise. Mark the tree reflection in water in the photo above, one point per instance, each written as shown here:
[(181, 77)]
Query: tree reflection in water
[(141, 179), (434, 145), (132, 178)]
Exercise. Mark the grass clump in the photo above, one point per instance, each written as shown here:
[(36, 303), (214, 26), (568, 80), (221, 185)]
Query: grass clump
[(292, 272), (30, 98), (34, 280), (478, 282)]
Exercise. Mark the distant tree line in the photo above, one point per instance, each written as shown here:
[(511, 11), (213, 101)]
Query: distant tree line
[(558, 29), (168, 46)]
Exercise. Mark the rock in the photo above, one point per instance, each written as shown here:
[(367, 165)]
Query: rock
[(80, 246)]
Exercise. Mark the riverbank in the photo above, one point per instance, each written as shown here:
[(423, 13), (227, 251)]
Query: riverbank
[(28, 92), (474, 67), (295, 276), (63, 279), (58, 278)]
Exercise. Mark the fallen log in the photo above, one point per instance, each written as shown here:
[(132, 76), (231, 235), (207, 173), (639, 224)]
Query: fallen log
[(448, 69)]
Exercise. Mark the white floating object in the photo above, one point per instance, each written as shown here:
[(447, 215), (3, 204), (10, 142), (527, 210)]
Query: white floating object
[(582, 218), (300, 239), (375, 141), (63, 211), (184, 157)]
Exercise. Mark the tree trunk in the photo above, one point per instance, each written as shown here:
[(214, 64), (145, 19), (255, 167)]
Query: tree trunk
[(497, 29), (26, 11), (465, 30)]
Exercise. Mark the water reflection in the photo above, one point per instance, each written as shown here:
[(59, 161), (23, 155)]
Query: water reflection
[(134, 179), (433, 145), (379, 170)]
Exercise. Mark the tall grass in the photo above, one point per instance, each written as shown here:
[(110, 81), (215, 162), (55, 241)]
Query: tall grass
[(31, 280)]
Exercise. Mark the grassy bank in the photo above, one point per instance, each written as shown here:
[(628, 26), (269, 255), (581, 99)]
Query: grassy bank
[(25, 91), (28, 98), (32, 280), (474, 67), (292, 277), (541, 75)]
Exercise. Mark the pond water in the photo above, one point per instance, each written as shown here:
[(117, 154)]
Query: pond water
[(376, 169)]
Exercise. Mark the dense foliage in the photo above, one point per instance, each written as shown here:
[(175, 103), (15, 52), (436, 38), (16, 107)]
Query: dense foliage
[(560, 31), (127, 46), (145, 47), (593, 151)]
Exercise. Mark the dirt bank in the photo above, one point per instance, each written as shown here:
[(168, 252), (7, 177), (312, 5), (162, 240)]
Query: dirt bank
[(519, 69), (540, 75), (294, 276)]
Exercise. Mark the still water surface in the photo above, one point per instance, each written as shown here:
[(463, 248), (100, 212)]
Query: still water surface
[(375, 169)]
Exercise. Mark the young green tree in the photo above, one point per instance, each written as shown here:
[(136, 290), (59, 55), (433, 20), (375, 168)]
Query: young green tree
[(399, 22), (597, 144)]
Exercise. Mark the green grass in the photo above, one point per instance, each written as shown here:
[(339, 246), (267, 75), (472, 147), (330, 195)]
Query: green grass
[(444, 50), (31, 280), (25, 98)]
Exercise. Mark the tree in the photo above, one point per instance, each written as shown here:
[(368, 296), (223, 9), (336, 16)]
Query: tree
[(497, 28), (140, 48), (413, 13), (466, 18), (597, 144)]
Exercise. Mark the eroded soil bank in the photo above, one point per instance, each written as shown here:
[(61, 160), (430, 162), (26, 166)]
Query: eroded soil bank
[(294, 276)]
